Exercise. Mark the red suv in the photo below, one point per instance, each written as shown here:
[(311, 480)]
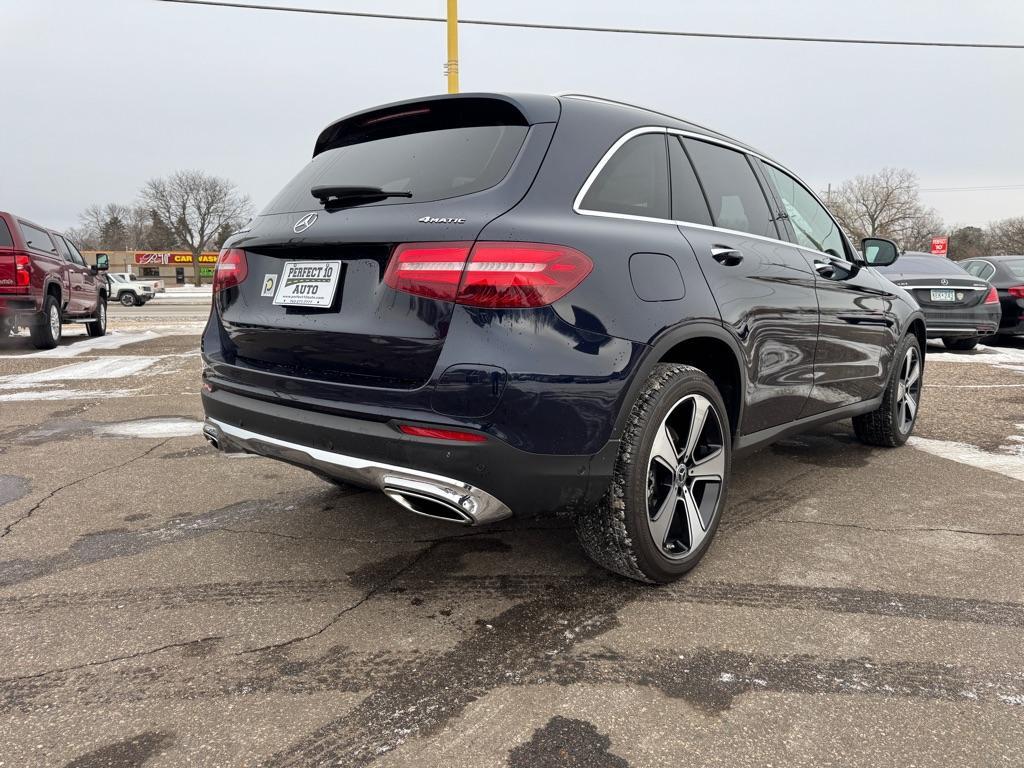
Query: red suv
[(44, 282)]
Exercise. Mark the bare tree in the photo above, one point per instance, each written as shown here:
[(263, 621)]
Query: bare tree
[(196, 207), (1007, 236), (886, 204), (968, 243), (116, 227)]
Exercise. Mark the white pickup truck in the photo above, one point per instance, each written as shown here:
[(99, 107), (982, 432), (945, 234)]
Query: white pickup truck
[(156, 285), (128, 290)]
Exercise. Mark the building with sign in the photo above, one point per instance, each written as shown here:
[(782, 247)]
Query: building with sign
[(175, 267)]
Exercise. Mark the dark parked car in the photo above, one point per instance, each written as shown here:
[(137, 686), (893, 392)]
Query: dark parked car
[(486, 304), (44, 282), (1006, 274), (959, 308)]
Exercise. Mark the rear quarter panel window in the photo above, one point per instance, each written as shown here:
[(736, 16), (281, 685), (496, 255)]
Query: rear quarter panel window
[(432, 165), (634, 181), (733, 191), (37, 239)]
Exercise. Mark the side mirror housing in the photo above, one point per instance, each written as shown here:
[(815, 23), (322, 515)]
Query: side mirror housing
[(102, 261), (879, 252)]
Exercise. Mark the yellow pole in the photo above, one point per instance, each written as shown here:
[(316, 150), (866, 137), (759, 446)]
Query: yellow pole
[(453, 46)]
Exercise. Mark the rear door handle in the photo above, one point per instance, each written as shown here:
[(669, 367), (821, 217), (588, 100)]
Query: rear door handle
[(725, 255)]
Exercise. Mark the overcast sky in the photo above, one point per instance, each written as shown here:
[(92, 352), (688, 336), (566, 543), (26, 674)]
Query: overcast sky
[(101, 95)]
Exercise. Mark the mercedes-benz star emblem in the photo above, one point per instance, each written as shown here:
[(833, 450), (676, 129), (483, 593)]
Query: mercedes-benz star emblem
[(943, 281), (304, 223)]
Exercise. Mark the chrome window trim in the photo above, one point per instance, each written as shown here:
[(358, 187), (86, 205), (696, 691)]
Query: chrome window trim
[(578, 201)]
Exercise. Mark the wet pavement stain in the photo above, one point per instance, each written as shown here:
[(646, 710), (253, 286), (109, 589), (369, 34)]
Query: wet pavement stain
[(711, 679), (566, 743), (129, 753), (12, 488), (123, 542), (421, 698)]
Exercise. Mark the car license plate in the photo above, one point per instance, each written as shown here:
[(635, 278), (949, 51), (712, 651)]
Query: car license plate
[(943, 294), (308, 284)]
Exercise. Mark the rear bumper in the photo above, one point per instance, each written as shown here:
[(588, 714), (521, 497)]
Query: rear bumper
[(476, 482), (963, 324), (15, 307)]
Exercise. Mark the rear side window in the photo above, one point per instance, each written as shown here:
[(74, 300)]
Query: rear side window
[(1016, 267), (980, 269), (733, 191), (688, 203), (6, 241), (36, 238), (634, 181), (431, 155)]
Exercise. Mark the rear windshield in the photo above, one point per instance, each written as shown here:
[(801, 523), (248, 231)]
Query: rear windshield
[(923, 264), (6, 241), (432, 165), (1016, 266)]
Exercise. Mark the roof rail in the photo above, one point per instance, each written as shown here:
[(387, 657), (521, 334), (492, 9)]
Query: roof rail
[(602, 100)]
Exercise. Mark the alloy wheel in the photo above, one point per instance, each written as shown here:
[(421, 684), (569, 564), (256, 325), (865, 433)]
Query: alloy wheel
[(55, 322), (908, 390), (685, 473)]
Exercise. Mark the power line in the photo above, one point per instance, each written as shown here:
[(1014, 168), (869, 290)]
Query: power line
[(997, 188), (615, 30)]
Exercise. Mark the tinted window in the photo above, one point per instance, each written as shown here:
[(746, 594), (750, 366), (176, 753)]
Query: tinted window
[(688, 203), (811, 223), (432, 165), (634, 180), (36, 238), (733, 191), (980, 269), (6, 241), (75, 255), (62, 248), (923, 264)]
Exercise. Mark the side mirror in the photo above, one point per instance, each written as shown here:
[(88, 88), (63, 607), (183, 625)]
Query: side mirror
[(879, 252), (102, 261)]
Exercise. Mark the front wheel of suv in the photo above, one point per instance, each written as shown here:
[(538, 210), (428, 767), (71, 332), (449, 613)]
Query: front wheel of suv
[(661, 511), (127, 299), (891, 424)]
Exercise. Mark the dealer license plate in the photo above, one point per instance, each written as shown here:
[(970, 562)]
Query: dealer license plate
[(308, 284), (943, 294)]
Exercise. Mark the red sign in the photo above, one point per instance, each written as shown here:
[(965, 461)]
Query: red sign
[(940, 246)]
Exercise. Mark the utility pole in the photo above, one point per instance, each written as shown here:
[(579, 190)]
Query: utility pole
[(451, 68)]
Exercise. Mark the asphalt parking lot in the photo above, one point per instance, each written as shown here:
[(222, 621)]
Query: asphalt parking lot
[(166, 606)]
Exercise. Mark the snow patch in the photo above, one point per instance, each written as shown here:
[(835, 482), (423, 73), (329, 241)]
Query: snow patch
[(64, 394), (165, 427), (1009, 465), (100, 368)]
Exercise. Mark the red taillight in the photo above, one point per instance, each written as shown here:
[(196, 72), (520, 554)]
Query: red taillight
[(231, 269), (428, 269), (22, 273), (496, 275), (1017, 291), (993, 296), (442, 434)]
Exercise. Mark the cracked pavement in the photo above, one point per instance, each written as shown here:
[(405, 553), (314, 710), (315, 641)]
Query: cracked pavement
[(162, 605)]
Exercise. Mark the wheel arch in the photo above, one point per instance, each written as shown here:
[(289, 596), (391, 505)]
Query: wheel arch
[(918, 328), (705, 346)]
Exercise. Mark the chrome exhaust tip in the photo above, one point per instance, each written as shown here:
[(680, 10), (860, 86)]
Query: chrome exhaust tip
[(210, 432), (428, 506)]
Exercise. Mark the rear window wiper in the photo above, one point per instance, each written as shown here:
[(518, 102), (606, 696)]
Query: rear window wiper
[(334, 196)]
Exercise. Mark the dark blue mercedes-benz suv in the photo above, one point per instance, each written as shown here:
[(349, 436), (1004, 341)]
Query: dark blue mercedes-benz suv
[(489, 304)]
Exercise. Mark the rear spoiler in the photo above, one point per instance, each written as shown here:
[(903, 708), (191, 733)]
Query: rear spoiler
[(451, 110)]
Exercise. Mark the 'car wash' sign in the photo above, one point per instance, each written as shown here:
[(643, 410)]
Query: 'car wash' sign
[(174, 258), (940, 246)]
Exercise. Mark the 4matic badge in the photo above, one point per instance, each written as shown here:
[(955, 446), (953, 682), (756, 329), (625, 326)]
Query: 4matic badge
[(440, 220)]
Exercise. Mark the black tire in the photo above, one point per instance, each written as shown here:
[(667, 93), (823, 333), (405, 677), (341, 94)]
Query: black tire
[(887, 425), (98, 327), (619, 534), (5, 330), (127, 298), (960, 344), (47, 329)]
